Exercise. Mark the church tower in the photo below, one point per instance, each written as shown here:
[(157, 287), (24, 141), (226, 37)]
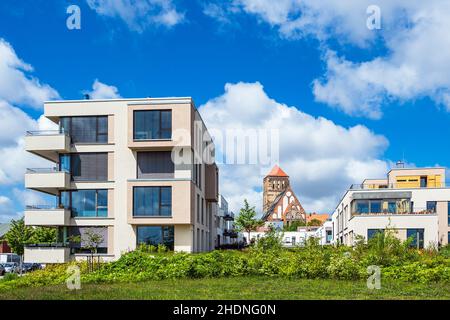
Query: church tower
[(274, 183)]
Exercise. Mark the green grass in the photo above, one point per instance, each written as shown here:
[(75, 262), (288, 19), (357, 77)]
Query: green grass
[(245, 288)]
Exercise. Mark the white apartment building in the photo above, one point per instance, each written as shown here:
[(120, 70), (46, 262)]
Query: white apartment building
[(131, 170), (413, 201)]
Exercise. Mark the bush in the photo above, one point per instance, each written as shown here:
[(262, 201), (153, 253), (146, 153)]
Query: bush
[(10, 276), (312, 261)]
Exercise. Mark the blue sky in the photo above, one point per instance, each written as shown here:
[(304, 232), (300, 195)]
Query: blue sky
[(195, 48)]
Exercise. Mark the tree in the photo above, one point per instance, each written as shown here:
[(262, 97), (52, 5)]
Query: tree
[(90, 240), (246, 220), (17, 236), (44, 235)]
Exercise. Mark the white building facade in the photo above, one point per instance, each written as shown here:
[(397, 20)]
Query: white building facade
[(415, 203)]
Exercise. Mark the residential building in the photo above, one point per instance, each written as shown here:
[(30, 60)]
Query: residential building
[(4, 247), (280, 204), (414, 202), (325, 233), (130, 170)]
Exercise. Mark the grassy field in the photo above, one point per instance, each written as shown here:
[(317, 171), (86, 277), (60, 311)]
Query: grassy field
[(236, 288)]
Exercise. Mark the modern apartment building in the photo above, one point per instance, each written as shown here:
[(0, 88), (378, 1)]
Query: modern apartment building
[(130, 170), (415, 202)]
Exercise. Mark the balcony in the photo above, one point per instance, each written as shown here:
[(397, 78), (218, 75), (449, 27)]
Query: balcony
[(47, 144), (48, 180), (229, 216), (47, 253), (400, 185), (415, 211), (230, 233), (47, 216)]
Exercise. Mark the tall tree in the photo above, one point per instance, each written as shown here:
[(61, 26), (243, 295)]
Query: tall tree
[(17, 236), (246, 220)]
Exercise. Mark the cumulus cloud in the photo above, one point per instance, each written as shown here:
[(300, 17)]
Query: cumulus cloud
[(7, 211), (103, 91), (16, 74), (321, 157), (18, 88), (414, 62), (139, 14)]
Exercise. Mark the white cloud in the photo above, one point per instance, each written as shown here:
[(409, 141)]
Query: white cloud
[(139, 14), (7, 211), (31, 197), (321, 157), (17, 86), (415, 62), (103, 91)]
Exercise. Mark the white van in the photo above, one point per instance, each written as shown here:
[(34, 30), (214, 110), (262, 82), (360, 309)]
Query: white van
[(9, 257)]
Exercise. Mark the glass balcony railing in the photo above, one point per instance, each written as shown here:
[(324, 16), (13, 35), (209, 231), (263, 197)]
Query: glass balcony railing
[(47, 133), (417, 211), (400, 185)]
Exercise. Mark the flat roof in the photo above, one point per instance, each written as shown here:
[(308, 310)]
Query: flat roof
[(418, 168), (119, 99)]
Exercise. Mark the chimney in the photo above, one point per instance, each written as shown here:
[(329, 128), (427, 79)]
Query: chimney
[(400, 165)]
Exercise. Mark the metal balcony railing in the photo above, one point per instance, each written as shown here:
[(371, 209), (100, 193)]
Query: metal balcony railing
[(46, 170), (47, 133)]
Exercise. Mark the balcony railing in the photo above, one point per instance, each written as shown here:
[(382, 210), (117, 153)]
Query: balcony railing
[(401, 185), (47, 133), (230, 233), (46, 170), (48, 245), (228, 217), (418, 211), (42, 207)]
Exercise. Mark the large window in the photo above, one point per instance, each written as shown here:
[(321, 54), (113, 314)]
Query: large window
[(382, 206), (154, 164), (152, 124), (85, 166), (86, 203), (448, 214), (431, 206), (92, 129), (362, 207), (154, 235), (152, 201), (84, 233), (417, 236), (373, 232)]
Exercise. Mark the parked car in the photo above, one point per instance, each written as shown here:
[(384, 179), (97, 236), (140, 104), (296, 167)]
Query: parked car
[(27, 267), (37, 266), (11, 267), (2, 270)]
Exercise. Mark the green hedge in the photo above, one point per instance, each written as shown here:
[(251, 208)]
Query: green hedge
[(311, 262)]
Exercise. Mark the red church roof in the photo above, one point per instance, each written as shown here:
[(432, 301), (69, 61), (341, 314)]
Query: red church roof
[(277, 172)]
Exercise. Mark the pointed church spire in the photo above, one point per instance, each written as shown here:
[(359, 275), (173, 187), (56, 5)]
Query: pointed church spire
[(277, 172)]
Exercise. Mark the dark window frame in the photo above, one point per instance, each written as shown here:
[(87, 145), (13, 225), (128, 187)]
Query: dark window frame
[(97, 207), (160, 205), (160, 128), (98, 134)]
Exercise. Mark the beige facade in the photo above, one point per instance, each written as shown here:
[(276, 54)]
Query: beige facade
[(188, 220)]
